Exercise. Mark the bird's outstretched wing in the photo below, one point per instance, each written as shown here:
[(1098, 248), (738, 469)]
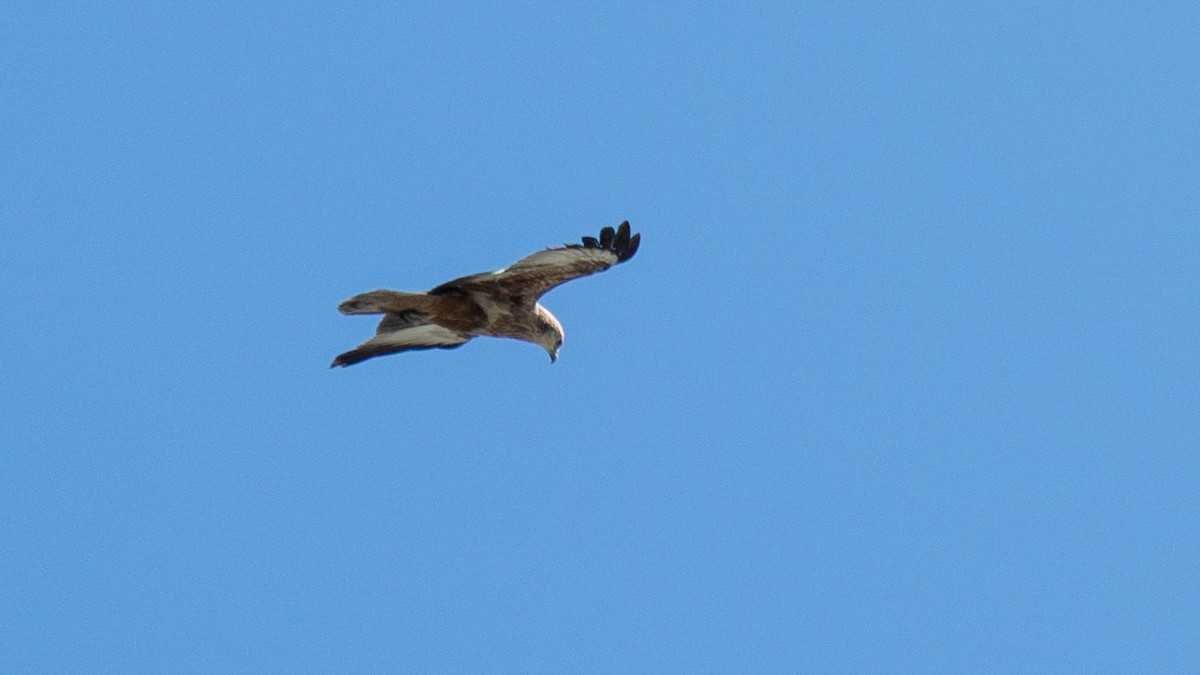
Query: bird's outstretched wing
[(392, 338), (533, 275)]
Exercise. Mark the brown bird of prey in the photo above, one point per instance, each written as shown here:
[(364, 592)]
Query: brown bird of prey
[(503, 303)]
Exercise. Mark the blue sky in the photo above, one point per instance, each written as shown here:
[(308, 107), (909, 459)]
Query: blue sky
[(903, 379)]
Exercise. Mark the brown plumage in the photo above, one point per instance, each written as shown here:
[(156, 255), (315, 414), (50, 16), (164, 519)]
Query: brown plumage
[(502, 303)]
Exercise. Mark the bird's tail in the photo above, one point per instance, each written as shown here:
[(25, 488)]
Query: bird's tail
[(383, 301)]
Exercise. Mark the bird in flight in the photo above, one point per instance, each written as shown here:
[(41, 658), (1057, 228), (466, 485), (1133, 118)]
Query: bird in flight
[(503, 303)]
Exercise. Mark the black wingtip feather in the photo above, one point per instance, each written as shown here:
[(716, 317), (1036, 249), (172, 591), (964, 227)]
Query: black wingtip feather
[(630, 248), (622, 241), (619, 241), (348, 359)]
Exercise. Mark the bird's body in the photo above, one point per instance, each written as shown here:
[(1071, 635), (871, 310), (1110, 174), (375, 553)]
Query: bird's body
[(503, 303)]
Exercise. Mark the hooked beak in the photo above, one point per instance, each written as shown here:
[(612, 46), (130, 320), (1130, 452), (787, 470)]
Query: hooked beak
[(553, 356)]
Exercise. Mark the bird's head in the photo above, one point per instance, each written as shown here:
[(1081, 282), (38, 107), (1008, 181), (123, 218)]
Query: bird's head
[(550, 332)]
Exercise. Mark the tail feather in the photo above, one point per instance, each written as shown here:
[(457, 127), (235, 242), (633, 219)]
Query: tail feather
[(383, 301)]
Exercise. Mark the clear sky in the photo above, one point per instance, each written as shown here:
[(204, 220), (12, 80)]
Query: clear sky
[(904, 377)]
